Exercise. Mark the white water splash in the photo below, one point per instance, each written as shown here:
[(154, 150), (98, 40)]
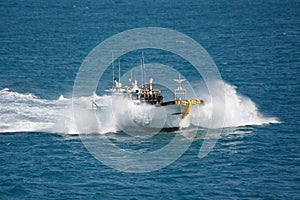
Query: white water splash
[(28, 113), (239, 110)]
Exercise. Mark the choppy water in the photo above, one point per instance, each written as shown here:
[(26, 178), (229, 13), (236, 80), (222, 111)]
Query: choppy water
[(256, 48)]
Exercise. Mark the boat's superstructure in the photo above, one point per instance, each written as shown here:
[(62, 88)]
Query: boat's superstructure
[(160, 115)]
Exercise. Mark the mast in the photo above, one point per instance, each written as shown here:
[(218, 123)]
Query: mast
[(119, 72), (113, 68), (142, 74), (144, 71), (179, 91)]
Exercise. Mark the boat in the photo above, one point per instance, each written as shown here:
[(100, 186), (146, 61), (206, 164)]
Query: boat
[(145, 104)]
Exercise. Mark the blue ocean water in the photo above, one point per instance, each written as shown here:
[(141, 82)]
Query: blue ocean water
[(255, 45)]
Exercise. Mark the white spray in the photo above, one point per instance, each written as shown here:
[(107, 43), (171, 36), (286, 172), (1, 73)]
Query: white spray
[(28, 113)]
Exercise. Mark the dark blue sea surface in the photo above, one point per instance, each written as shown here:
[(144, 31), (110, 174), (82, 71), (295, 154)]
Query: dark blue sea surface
[(256, 46)]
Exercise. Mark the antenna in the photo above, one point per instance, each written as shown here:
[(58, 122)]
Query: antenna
[(113, 68), (144, 70), (142, 80), (119, 71)]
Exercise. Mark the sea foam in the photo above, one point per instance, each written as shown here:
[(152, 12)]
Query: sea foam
[(29, 113)]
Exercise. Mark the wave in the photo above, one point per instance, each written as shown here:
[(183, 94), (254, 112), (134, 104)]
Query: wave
[(29, 113)]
